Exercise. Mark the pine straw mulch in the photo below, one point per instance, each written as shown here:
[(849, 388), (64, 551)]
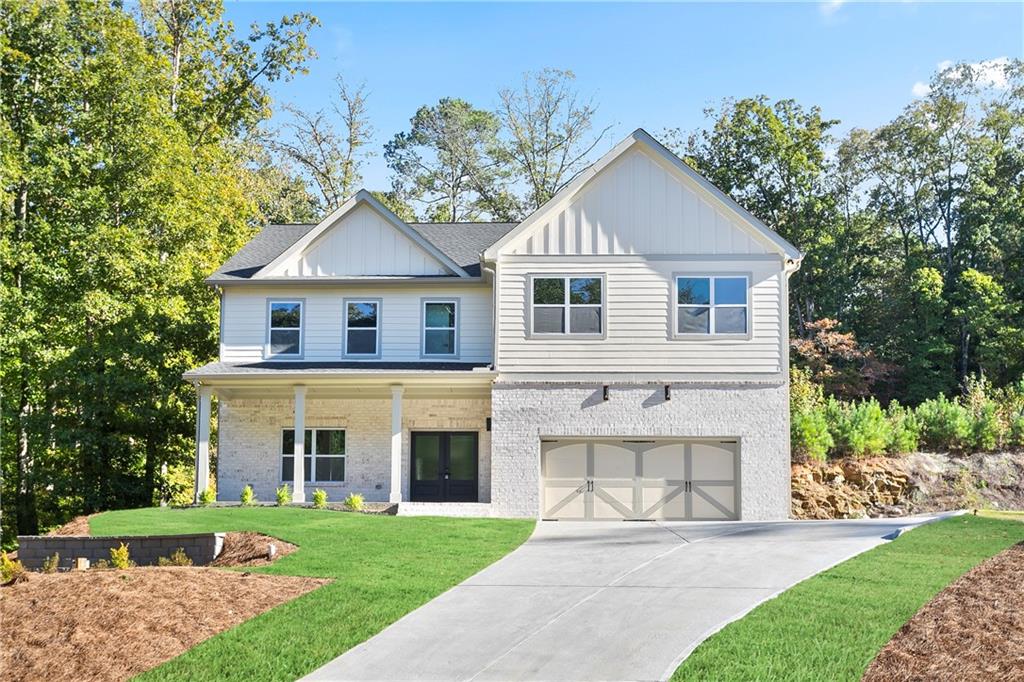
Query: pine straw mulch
[(112, 625), (250, 549), (972, 630), (76, 526)]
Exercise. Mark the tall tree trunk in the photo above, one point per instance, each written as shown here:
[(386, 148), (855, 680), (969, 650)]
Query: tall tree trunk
[(28, 517)]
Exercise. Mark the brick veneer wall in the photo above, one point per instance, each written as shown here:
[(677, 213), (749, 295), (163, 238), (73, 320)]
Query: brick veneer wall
[(756, 414), (144, 550), (250, 442)]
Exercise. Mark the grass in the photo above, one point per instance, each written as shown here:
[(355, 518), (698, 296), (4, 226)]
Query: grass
[(831, 626), (383, 567), (1002, 514)]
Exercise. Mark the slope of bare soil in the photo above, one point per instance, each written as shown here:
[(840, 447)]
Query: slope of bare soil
[(972, 630), (112, 625)]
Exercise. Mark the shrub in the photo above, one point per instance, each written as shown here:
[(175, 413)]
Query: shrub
[(804, 394), (1016, 436), (208, 496), (320, 498), (945, 424), (284, 495), (988, 418), (177, 558), (248, 497), (354, 502), (987, 432), (51, 563), (11, 570), (904, 429), (809, 435), (119, 557), (860, 428)]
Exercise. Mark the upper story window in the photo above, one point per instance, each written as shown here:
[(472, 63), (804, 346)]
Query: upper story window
[(285, 329), (440, 327), (324, 454), (568, 305), (712, 305), (362, 328)]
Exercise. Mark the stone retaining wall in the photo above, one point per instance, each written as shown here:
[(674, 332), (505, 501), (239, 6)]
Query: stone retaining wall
[(144, 550)]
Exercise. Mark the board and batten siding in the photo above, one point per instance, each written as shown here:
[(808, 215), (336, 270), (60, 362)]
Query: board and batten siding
[(638, 338), (638, 205), (245, 320), (363, 243)]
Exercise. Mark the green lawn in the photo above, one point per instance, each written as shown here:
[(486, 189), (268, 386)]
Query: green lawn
[(382, 566), (831, 626)]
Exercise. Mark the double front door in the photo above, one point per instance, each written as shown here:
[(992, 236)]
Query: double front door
[(444, 466), (693, 480)]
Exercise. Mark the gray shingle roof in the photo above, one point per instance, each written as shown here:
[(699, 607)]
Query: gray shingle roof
[(462, 242)]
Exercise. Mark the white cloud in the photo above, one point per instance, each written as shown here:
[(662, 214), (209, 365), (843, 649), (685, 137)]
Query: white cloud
[(989, 73), (830, 7)]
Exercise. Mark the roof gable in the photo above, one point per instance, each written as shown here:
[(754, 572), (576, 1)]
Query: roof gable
[(361, 238), (640, 198)]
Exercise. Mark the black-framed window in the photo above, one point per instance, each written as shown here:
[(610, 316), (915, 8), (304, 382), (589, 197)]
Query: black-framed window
[(568, 305), (712, 305), (324, 455), (440, 322), (362, 328), (285, 328)]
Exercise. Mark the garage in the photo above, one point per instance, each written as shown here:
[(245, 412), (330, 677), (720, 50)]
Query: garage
[(608, 480)]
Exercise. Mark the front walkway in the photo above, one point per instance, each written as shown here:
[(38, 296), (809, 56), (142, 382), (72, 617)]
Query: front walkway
[(604, 601)]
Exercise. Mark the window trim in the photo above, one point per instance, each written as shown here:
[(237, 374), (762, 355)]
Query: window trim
[(344, 328), (312, 470), (600, 336), (267, 354), (674, 332), (423, 327)]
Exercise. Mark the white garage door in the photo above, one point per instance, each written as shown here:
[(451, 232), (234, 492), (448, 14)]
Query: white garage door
[(603, 480)]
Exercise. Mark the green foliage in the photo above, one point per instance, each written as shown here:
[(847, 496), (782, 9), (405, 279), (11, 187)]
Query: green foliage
[(177, 558), (51, 563), (354, 502), (284, 495), (945, 424), (208, 496), (11, 570), (178, 484), (119, 557), (248, 496), (809, 434), (320, 498), (904, 429), (860, 428)]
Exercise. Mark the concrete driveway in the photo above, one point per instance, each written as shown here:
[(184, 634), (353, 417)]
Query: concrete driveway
[(604, 601)]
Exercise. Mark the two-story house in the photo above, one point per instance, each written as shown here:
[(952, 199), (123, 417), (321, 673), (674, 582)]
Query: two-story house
[(620, 354)]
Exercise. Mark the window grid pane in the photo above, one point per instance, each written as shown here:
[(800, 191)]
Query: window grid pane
[(362, 314), (712, 305), (549, 319), (285, 329), (327, 459)]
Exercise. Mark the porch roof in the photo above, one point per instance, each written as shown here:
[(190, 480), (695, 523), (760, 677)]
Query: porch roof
[(298, 367)]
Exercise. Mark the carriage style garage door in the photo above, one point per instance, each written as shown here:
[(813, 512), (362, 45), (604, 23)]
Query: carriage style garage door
[(604, 480)]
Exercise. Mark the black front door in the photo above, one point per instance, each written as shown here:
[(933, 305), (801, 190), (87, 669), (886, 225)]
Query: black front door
[(444, 466)]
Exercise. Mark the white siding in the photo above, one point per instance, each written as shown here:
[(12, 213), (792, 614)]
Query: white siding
[(639, 339), (362, 243), (638, 205), (245, 320)]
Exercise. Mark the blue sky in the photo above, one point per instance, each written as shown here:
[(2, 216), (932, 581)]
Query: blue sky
[(647, 65)]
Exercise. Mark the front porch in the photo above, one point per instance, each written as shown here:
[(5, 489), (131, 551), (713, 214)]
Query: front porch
[(420, 438)]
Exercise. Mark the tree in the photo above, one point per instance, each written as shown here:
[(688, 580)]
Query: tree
[(549, 133), (445, 162), (330, 151)]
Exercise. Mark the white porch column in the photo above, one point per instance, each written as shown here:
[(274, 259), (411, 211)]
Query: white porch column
[(202, 440), (299, 469), (396, 444)]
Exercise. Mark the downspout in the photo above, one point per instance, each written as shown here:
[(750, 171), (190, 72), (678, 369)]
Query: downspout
[(494, 309)]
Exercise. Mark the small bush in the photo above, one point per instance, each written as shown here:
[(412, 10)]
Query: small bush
[(904, 429), (1016, 437), (101, 564), (945, 424), (177, 558), (860, 429), (248, 497), (51, 563), (320, 498), (809, 435), (284, 495), (987, 432), (119, 557), (354, 502), (11, 570), (208, 496)]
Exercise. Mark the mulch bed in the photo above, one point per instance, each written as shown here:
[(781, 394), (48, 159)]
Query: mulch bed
[(250, 549), (112, 625), (76, 526), (972, 630)]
